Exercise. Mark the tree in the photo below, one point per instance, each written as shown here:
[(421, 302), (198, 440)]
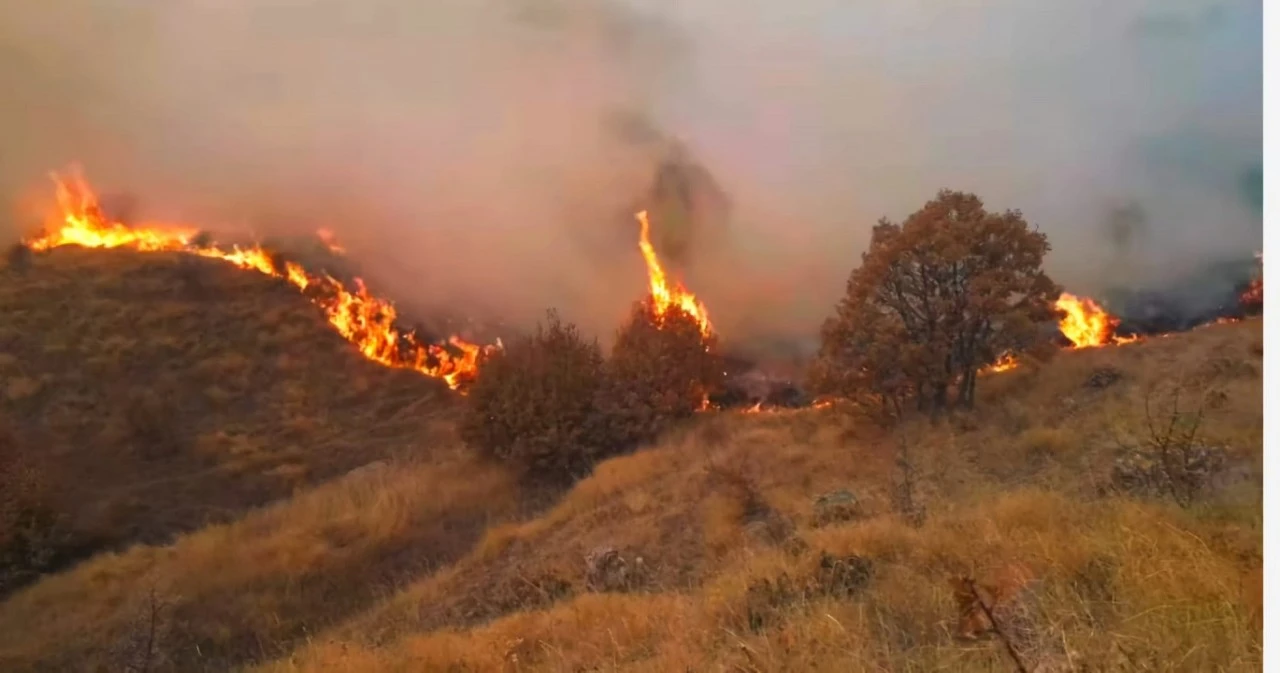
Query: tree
[(661, 371), (936, 299), (533, 402)]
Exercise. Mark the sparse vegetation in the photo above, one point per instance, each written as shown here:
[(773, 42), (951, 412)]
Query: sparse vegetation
[(780, 541), (1171, 458), (30, 532)]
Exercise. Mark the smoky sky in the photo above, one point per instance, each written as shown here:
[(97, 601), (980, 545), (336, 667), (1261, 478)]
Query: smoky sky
[(488, 153)]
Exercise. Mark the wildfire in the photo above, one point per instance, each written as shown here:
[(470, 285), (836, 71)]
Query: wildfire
[(1252, 295), (1086, 324), (366, 321), (667, 293), (1002, 364)]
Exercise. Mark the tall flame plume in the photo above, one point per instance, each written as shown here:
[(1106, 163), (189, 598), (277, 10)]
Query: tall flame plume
[(668, 292), (367, 321)]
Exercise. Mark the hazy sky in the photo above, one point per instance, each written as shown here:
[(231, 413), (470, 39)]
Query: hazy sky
[(470, 150)]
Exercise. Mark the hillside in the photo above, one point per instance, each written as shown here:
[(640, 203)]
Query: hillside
[(160, 393), (734, 561)]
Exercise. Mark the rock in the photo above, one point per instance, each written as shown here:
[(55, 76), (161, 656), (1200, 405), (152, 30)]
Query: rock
[(835, 506), (1103, 377), (607, 570)]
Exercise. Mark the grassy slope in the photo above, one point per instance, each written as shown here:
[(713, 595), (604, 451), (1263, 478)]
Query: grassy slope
[(162, 393), (388, 571)]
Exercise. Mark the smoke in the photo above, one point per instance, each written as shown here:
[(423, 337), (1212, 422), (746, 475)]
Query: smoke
[(487, 153)]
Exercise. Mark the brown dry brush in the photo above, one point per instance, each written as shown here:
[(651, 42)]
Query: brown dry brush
[(659, 372), (30, 527), (989, 611), (140, 648), (904, 489), (935, 299), (1171, 459), (18, 258), (553, 406), (533, 403)]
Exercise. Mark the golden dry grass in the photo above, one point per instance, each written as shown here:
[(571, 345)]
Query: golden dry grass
[(252, 588), (165, 392), (1126, 584), (369, 573)]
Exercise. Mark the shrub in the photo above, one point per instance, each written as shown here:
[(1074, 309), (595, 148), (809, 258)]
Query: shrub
[(18, 258), (27, 518), (661, 371), (1171, 460), (532, 402)]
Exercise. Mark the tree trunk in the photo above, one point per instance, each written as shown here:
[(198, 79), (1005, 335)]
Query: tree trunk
[(968, 386), (939, 397)]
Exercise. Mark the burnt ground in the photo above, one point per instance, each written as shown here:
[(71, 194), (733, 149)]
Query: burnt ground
[(158, 393)]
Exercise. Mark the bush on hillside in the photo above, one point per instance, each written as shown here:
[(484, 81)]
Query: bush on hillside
[(27, 518), (662, 370), (533, 402), (937, 298)]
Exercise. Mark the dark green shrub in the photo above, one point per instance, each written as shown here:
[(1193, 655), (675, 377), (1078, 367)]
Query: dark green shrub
[(532, 402), (661, 371)]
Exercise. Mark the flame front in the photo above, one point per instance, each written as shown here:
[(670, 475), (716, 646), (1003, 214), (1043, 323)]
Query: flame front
[(366, 321), (1086, 324), (667, 293)]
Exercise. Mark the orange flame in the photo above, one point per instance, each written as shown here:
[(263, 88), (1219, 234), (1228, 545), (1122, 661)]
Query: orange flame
[(366, 321), (1086, 324), (1003, 363), (668, 293), (1252, 295), (330, 241)]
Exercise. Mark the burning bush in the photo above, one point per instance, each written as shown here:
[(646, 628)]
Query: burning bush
[(662, 370), (951, 290), (533, 403)]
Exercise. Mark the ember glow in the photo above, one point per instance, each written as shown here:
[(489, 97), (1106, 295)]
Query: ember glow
[(666, 292), (368, 322), (1252, 296), (1002, 364)]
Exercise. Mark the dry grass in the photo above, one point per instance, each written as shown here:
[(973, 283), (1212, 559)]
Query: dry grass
[(369, 574), (1125, 584), (251, 589), (160, 410)]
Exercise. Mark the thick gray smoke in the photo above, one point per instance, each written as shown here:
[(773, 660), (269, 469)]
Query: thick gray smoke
[(490, 151)]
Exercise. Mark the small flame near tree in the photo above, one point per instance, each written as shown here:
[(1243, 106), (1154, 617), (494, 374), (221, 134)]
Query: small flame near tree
[(368, 322), (1084, 323)]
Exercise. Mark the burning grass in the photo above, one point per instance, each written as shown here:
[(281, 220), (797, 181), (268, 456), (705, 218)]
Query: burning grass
[(367, 321), (157, 411), (740, 576)]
